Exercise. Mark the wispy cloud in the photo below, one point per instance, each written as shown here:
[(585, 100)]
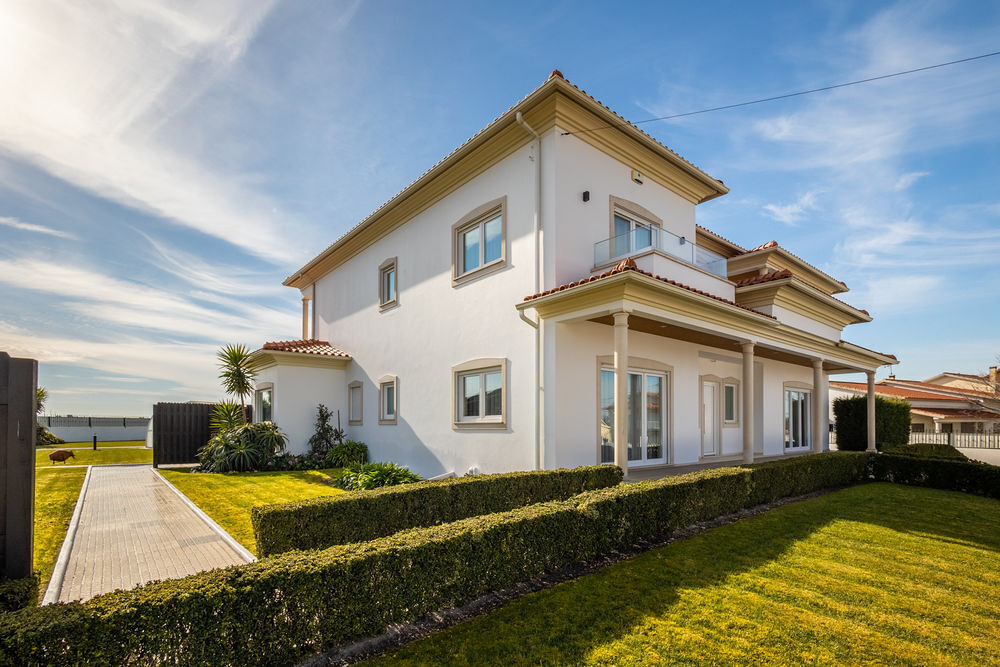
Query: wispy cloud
[(93, 87), (909, 178), (794, 213), (14, 223)]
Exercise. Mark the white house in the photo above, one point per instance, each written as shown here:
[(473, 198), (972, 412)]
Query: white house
[(543, 298)]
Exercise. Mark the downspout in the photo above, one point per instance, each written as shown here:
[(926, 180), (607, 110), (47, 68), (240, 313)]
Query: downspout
[(538, 269)]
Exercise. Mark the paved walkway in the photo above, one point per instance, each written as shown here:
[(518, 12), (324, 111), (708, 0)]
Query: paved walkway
[(134, 529)]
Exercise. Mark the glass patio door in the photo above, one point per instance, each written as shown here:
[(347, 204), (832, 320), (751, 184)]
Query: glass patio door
[(646, 417)]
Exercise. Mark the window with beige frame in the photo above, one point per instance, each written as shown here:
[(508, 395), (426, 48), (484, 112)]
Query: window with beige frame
[(387, 284), (264, 402), (479, 241), (479, 389), (388, 399), (633, 227), (730, 404), (797, 415), (355, 404)]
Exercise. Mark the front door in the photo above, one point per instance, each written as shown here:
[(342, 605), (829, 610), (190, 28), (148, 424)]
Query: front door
[(709, 419)]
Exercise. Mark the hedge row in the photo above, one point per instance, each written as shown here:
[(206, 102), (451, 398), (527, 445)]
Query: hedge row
[(319, 523), (892, 422), (286, 607), (966, 476), (18, 593), (924, 450)]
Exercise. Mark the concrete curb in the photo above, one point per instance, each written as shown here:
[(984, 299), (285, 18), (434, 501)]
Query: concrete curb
[(59, 572), (226, 537)]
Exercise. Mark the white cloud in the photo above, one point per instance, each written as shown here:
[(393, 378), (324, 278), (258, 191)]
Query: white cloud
[(792, 214), (88, 87), (909, 178), (14, 223)]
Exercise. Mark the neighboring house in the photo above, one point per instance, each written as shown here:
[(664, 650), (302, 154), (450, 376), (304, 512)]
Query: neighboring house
[(945, 403), (543, 298)]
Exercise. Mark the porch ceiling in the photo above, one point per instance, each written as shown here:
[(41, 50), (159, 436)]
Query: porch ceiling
[(672, 331)]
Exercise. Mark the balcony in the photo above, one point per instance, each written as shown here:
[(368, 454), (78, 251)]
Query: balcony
[(643, 239)]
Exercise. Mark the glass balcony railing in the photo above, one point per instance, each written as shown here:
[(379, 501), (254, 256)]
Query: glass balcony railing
[(642, 239)]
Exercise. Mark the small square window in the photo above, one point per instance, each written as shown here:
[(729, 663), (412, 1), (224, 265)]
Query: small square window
[(388, 400), (387, 287), (480, 396)]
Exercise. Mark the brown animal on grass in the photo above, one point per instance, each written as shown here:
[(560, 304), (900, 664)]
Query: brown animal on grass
[(61, 455)]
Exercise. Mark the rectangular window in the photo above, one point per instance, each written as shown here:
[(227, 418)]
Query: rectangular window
[(797, 419), (388, 390), (481, 395), (646, 416), (630, 236), (731, 415), (916, 428), (355, 406), (265, 404), (387, 283), (479, 241)]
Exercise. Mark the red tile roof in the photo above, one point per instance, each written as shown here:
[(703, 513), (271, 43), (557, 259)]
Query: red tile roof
[(769, 244), (899, 392), (720, 236), (629, 265), (956, 390), (774, 244), (954, 413), (766, 278), (310, 346)]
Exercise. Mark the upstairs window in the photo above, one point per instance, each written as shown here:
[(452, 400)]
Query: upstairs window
[(480, 241), (387, 284)]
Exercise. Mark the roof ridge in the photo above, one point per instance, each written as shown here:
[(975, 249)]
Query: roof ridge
[(775, 244), (720, 236)]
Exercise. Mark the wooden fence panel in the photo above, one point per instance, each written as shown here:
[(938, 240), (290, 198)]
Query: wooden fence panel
[(180, 430), (18, 381)]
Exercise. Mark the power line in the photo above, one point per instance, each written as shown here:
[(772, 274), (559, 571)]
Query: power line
[(797, 94)]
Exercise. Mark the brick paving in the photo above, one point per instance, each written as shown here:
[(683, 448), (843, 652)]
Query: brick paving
[(134, 529)]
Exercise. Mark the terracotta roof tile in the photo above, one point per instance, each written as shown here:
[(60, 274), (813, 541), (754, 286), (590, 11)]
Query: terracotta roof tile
[(629, 265), (720, 236), (953, 413), (886, 390), (310, 346), (769, 244), (766, 278), (956, 390), (775, 244)]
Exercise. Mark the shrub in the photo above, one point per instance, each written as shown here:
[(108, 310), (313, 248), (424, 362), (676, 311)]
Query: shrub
[(282, 609), (322, 522), (325, 436), (226, 416), (345, 453), (927, 451), (45, 438), (18, 593), (966, 476), (367, 476), (805, 474), (242, 449), (892, 422)]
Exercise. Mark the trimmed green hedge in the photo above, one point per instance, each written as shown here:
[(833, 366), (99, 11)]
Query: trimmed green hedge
[(892, 422), (925, 450), (319, 523), (18, 593), (286, 607), (972, 477)]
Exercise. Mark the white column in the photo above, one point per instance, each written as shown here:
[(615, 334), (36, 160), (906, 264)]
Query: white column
[(305, 318), (749, 408), (871, 410), (621, 391), (818, 405)]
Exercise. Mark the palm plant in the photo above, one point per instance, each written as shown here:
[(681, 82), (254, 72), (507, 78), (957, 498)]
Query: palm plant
[(238, 371), (226, 415), (41, 395)]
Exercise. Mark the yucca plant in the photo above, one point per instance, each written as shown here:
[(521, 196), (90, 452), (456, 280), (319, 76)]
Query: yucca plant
[(226, 416), (238, 369)]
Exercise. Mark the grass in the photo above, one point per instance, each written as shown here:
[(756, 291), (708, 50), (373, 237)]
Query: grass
[(229, 498), (56, 493), (88, 456), (877, 573), (101, 444)]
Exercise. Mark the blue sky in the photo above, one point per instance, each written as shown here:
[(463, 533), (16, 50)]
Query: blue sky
[(164, 166)]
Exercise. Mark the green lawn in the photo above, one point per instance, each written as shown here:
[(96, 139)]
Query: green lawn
[(100, 444), (229, 498), (56, 492), (878, 573), (88, 456)]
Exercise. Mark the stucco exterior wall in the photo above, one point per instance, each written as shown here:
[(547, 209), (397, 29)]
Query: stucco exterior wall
[(298, 390), (437, 326)]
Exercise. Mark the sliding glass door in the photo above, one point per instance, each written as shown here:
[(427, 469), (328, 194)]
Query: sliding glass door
[(647, 417)]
